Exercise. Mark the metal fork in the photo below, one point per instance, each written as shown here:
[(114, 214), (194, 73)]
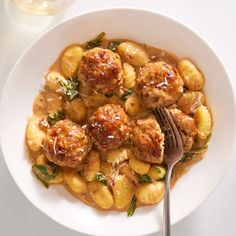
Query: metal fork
[(172, 154)]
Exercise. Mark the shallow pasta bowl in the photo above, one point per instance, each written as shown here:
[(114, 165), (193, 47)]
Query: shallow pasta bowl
[(142, 26)]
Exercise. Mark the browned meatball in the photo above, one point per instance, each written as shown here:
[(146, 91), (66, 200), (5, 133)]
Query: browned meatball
[(66, 144), (100, 70), (186, 126), (148, 140), (109, 127), (159, 84)]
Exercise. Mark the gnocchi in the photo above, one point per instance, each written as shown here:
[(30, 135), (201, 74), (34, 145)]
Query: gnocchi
[(41, 159), (132, 105), (122, 191), (138, 166), (192, 77), (157, 172), (40, 105), (34, 135), (115, 156), (133, 53), (129, 76), (51, 80), (70, 60), (76, 183), (125, 169), (202, 118), (106, 168), (93, 166), (150, 193), (54, 101), (190, 101), (95, 100), (76, 110), (100, 194)]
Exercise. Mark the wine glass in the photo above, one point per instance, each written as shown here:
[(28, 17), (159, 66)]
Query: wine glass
[(43, 7)]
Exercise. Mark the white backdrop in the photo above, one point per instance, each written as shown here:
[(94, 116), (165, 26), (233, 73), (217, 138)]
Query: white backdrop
[(213, 19)]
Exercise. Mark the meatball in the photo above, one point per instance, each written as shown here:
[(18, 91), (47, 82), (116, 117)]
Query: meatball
[(66, 144), (148, 140), (100, 70), (186, 126), (159, 84), (109, 127)]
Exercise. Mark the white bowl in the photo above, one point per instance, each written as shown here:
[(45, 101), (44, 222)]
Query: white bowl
[(143, 26)]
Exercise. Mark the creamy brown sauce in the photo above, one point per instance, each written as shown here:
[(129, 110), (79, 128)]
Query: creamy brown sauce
[(93, 101)]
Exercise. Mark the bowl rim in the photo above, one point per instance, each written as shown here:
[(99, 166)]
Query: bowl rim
[(135, 9)]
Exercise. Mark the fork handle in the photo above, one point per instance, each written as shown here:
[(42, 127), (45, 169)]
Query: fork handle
[(166, 212)]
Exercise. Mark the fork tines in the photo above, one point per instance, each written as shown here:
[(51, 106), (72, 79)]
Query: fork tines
[(167, 124)]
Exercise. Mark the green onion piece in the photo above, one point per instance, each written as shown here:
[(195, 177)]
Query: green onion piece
[(100, 177), (70, 87), (192, 153), (96, 42), (113, 45), (144, 179), (45, 183), (126, 94), (45, 173), (132, 207), (208, 140), (54, 117), (197, 151)]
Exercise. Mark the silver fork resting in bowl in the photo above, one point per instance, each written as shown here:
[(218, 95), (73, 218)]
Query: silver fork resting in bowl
[(173, 152)]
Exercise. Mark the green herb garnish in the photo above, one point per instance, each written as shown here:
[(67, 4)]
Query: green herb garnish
[(196, 151), (132, 207), (96, 42), (208, 140), (100, 177), (54, 117), (70, 87), (109, 95), (45, 173), (126, 94), (193, 152), (113, 45), (144, 179)]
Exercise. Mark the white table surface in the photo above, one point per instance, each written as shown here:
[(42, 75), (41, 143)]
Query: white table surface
[(214, 19)]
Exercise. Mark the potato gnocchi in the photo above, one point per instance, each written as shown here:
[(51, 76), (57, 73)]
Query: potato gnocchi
[(129, 76), (70, 60), (92, 127), (192, 77), (93, 166), (34, 134), (76, 110), (133, 53), (122, 191), (133, 105)]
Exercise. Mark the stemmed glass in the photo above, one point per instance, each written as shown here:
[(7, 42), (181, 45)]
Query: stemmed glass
[(43, 7)]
